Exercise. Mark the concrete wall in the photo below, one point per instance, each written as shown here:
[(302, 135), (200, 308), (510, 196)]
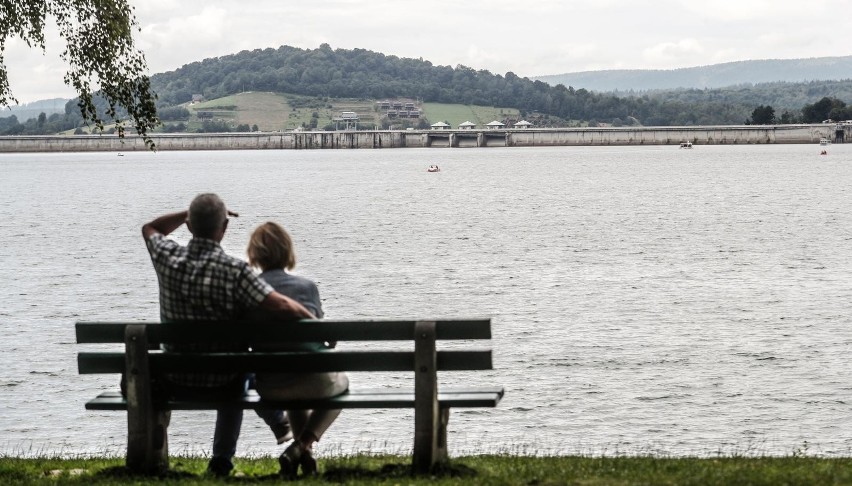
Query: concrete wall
[(432, 138), (673, 135)]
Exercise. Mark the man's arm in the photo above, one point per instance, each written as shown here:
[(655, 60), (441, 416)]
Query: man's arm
[(164, 224), (285, 306)]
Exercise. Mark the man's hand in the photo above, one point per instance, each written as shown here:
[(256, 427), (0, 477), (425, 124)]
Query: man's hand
[(164, 224), (285, 306)]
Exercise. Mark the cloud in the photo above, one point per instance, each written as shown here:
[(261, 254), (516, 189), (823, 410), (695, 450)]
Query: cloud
[(686, 52), (529, 39), (760, 10)]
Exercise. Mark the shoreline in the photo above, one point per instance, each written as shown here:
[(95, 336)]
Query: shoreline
[(382, 139)]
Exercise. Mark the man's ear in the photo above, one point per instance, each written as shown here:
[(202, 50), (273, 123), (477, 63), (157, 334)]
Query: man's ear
[(225, 225)]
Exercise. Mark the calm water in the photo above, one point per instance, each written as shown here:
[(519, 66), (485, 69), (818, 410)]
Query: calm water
[(644, 299)]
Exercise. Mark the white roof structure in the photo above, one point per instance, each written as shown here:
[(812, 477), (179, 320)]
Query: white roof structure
[(523, 124), (496, 124), (467, 124), (439, 126)]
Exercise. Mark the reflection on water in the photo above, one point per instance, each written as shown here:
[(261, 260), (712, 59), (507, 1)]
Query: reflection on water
[(644, 299)]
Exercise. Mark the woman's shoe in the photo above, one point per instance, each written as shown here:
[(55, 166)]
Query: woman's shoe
[(308, 463), (290, 459)]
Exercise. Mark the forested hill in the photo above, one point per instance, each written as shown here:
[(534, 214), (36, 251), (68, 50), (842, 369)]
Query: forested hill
[(359, 73), (714, 76)]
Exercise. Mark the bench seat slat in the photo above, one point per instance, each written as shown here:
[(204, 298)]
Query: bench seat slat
[(364, 398), (113, 362), (303, 331)]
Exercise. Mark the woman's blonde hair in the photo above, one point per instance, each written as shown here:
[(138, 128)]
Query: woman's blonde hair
[(270, 247)]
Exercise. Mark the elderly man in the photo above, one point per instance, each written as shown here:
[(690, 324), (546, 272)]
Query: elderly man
[(200, 282)]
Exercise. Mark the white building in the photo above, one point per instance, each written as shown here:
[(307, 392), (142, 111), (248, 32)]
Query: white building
[(468, 125), (523, 124), (440, 126), (495, 125)]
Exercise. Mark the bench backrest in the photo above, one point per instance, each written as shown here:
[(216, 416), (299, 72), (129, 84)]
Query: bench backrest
[(151, 336)]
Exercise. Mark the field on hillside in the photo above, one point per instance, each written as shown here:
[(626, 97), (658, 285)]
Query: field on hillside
[(279, 112), (455, 114), (276, 111)]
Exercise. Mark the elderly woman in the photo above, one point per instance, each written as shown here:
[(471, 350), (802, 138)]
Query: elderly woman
[(270, 249)]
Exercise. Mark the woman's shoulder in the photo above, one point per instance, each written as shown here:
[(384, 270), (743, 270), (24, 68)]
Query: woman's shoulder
[(280, 277)]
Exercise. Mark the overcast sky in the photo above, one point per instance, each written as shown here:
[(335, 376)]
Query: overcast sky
[(527, 37)]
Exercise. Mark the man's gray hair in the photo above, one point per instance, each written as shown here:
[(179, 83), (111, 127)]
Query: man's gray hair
[(207, 214)]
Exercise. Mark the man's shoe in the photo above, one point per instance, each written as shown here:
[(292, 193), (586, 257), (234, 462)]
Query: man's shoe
[(282, 431), (219, 467)]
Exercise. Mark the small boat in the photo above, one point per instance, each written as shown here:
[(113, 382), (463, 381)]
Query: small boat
[(824, 142), (120, 154), (433, 168), (687, 145), (824, 152)]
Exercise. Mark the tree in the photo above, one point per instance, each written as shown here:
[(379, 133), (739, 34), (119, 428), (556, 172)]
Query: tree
[(100, 53), (821, 110), (763, 115), (787, 118)]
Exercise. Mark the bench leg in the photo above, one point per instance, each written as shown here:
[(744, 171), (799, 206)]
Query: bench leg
[(430, 420), (148, 442), (147, 428), (441, 455)]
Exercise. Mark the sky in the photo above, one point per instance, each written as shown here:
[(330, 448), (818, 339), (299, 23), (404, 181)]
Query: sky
[(528, 38)]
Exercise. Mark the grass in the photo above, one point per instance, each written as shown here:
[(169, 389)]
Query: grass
[(455, 114), (273, 111), (486, 470)]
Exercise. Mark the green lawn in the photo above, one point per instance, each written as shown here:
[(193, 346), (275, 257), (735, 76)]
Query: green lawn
[(486, 470), (273, 111), (455, 114)]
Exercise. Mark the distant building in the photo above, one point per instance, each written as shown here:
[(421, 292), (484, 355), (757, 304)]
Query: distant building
[(399, 108), (347, 119), (197, 98), (440, 126), (495, 125), (523, 124), (468, 125)]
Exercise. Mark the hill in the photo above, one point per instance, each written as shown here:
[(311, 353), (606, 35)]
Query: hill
[(713, 76), (33, 110), (288, 87)]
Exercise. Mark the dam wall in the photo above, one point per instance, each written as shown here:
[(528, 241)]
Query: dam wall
[(377, 139)]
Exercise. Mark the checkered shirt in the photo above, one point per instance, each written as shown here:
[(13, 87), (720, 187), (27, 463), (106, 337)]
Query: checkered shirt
[(200, 282)]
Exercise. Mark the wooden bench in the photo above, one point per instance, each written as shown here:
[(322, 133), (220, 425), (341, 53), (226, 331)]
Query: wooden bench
[(148, 417)]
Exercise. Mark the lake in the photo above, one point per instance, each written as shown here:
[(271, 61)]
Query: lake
[(644, 300)]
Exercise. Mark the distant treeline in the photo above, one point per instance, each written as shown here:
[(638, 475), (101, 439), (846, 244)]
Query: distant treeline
[(358, 73), (713, 76), (45, 125)]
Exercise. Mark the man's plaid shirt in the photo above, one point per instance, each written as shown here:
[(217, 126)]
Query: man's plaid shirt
[(200, 282)]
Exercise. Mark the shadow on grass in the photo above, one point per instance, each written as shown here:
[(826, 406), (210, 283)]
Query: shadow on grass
[(395, 471), (121, 472), (334, 474)]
